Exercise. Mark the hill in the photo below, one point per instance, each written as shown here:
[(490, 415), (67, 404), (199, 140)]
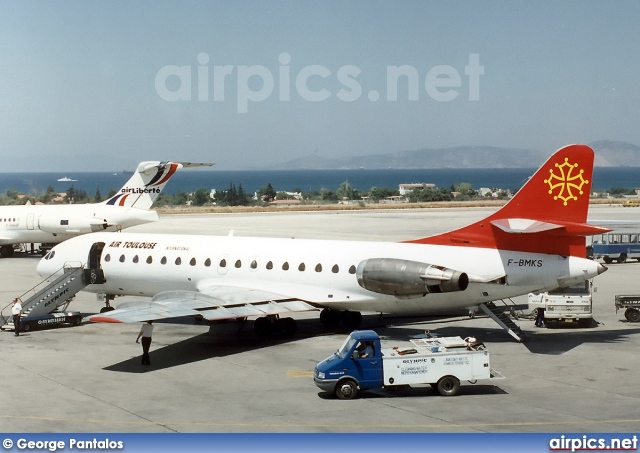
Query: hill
[(609, 153)]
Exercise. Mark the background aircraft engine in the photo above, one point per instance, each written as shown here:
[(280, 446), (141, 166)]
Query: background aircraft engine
[(408, 278), (57, 225)]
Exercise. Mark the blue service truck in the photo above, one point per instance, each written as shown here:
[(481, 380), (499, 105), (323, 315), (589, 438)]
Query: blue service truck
[(364, 362)]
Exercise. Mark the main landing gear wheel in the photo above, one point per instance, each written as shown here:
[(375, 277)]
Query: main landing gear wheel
[(267, 326), (331, 318), (6, 251)]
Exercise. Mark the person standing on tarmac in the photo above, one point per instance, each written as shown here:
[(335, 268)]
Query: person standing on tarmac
[(16, 311), (145, 332)]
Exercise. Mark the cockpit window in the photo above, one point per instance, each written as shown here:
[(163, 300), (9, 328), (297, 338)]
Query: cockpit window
[(50, 254), (107, 257)]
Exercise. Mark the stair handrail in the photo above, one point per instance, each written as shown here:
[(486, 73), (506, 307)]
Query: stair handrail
[(66, 266)]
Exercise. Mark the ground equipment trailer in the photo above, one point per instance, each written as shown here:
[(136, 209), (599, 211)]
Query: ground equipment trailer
[(440, 362), (632, 305)]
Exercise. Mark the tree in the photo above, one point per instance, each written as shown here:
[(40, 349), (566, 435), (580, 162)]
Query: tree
[(49, 195), (71, 195), (346, 191), (267, 193), (200, 197), (98, 197), (379, 193)]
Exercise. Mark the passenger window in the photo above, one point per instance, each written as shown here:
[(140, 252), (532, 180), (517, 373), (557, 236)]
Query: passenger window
[(302, 267), (163, 260), (122, 258), (335, 269), (352, 269), (254, 264), (178, 261), (207, 262), (149, 259), (135, 259), (269, 265), (223, 263), (107, 257), (319, 267), (192, 262), (238, 264), (285, 266)]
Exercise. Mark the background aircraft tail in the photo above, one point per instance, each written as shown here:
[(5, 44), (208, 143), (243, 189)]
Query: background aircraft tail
[(146, 183), (547, 215)]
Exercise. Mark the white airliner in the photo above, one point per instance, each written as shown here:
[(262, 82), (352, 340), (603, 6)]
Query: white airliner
[(536, 242), (56, 223)]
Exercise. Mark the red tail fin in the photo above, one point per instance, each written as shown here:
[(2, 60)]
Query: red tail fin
[(548, 215)]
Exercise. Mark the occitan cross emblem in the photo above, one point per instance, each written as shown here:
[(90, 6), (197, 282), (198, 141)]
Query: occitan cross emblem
[(568, 184)]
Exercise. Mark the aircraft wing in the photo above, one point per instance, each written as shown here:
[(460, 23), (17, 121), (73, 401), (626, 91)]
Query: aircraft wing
[(216, 303)]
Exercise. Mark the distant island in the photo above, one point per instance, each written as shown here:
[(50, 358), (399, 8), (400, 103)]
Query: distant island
[(609, 153)]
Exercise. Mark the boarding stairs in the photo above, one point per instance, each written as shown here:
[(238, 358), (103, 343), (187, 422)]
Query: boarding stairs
[(503, 316), (52, 294)]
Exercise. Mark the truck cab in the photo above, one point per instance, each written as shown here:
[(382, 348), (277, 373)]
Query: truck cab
[(357, 364)]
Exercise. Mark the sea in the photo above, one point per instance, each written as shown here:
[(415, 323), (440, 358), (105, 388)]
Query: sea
[(189, 180)]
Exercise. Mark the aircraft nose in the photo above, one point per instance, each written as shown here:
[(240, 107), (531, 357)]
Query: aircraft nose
[(46, 266)]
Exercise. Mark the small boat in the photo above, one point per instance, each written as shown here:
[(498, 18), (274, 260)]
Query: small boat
[(65, 179)]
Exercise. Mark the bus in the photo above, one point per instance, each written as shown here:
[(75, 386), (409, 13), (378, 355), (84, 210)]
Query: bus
[(614, 246)]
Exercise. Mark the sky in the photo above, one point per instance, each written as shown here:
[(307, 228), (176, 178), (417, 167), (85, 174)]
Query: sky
[(98, 86)]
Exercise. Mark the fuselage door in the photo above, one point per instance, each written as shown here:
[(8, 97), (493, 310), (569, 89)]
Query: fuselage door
[(30, 221), (93, 274), (95, 255)]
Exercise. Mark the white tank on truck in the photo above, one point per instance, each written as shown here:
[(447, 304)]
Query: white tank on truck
[(364, 362)]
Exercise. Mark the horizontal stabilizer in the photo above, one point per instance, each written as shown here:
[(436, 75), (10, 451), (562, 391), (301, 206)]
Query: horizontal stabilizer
[(528, 226)]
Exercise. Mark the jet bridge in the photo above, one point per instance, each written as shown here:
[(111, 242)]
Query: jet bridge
[(52, 295)]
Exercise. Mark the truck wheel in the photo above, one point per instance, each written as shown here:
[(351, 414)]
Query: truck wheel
[(632, 314), (622, 258), (448, 386), (346, 390), (26, 327), (607, 260)]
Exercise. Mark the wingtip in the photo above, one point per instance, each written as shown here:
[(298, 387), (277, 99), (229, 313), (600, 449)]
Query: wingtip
[(104, 319)]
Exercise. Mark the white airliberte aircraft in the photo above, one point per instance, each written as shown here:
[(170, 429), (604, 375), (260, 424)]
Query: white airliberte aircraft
[(536, 242), (56, 223)]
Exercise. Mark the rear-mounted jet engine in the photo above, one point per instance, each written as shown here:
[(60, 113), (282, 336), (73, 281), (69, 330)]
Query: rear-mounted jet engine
[(405, 278)]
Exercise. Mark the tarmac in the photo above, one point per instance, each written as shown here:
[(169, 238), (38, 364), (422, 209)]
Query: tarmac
[(225, 380)]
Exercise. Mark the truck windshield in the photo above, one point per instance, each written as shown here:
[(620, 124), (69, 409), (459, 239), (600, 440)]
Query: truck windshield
[(346, 347), (578, 288)]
